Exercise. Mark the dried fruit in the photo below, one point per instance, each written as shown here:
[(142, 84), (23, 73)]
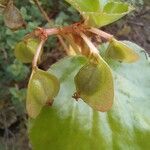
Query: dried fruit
[(119, 51), (94, 84), (4, 2), (42, 88), (25, 50), (12, 17)]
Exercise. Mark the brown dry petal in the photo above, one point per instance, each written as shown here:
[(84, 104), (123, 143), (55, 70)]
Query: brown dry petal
[(12, 17)]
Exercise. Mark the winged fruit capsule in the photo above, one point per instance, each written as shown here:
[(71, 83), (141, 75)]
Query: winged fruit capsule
[(119, 51), (42, 89), (12, 16), (94, 85), (26, 49)]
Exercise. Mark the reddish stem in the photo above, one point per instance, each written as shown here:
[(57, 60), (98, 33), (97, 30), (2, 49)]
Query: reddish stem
[(101, 33), (52, 31)]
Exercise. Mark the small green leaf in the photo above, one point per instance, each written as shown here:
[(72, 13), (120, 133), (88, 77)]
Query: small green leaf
[(94, 84), (120, 51), (101, 12), (12, 17), (25, 50), (42, 88)]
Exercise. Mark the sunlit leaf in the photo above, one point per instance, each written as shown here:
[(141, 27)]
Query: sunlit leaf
[(94, 84), (12, 17), (42, 89), (72, 125), (25, 50), (85, 5), (120, 51), (102, 12)]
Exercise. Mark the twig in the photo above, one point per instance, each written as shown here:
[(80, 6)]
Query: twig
[(52, 31), (49, 21), (136, 23), (42, 11), (89, 43), (63, 44)]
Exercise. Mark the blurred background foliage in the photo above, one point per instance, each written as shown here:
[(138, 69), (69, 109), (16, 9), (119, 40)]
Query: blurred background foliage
[(14, 75)]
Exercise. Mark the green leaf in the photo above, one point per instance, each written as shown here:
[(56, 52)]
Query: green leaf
[(26, 49), (102, 12), (85, 5), (12, 17), (120, 51), (94, 84), (17, 71), (72, 125), (42, 88)]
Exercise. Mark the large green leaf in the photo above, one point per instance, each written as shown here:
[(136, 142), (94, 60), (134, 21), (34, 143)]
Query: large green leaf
[(99, 13), (72, 125)]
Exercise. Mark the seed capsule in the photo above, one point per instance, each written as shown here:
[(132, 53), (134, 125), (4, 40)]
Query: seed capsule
[(25, 50), (119, 51), (42, 89), (12, 17), (94, 85)]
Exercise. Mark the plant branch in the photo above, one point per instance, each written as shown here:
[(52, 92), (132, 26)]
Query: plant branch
[(38, 51), (52, 31), (63, 44), (89, 43), (42, 10), (49, 21)]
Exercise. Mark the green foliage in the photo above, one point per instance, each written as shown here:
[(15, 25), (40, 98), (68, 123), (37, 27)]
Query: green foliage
[(102, 12), (11, 70), (18, 97), (17, 71), (69, 124)]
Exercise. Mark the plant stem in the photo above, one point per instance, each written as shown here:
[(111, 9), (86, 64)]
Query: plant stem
[(63, 44), (89, 43), (49, 21), (38, 51), (101, 33), (52, 31)]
